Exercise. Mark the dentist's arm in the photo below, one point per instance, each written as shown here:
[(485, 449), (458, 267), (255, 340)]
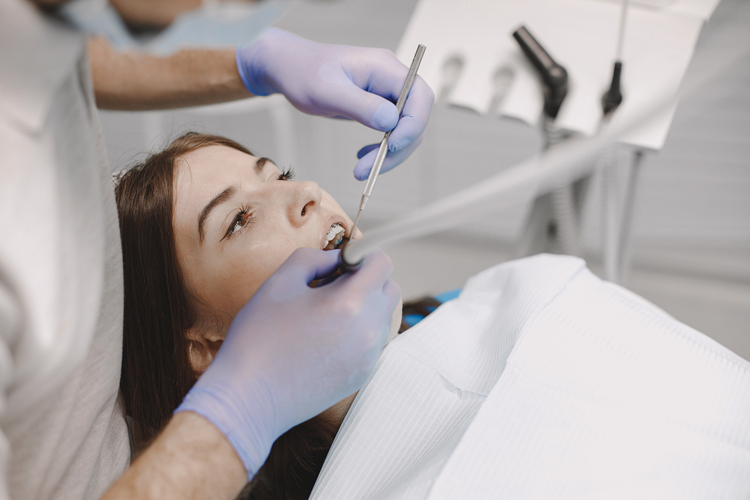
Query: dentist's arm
[(136, 81), (292, 352), (357, 83), (191, 458)]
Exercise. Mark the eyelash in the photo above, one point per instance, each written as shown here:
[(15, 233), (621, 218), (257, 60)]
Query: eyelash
[(241, 221), (287, 175)]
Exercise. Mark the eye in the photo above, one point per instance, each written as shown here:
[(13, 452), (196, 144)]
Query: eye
[(287, 175), (241, 221)]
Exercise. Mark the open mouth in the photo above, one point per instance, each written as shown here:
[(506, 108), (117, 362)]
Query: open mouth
[(335, 236)]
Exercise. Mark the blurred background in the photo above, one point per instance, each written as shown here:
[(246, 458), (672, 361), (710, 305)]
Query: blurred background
[(690, 247)]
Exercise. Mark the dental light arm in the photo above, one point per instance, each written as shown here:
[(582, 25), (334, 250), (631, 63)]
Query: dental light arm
[(541, 173)]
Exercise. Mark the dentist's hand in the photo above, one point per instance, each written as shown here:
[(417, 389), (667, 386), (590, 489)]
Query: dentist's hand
[(340, 81), (293, 351)]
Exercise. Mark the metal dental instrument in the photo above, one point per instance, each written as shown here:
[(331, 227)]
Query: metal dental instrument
[(554, 77), (612, 98), (383, 149)]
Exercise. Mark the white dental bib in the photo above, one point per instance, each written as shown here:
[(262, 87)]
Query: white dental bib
[(540, 381)]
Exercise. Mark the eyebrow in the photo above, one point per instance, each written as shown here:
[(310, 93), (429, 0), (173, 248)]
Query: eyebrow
[(218, 199), (221, 198)]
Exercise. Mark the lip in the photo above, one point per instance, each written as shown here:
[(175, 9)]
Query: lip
[(330, 221)]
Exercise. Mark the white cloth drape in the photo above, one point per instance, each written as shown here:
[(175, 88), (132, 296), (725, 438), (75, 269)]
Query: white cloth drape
[(541, 381)]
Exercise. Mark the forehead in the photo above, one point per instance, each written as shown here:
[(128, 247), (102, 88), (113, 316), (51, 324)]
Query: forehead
[(219, 163), (204, 173), (211, 168)]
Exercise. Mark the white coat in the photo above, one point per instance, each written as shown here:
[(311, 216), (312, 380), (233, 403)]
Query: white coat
[(61, 293)]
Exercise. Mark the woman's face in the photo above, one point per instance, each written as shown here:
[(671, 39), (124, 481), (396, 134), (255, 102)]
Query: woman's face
[(237, 219)]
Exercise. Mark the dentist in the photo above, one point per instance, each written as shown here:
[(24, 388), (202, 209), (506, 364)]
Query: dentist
[(62, 431)]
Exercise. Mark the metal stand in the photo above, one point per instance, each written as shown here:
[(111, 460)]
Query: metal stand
[(554, 224), (546, 231), (618, 217)]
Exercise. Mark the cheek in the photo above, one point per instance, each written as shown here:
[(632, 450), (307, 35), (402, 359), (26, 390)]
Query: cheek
[(229, 278), (264, 263), (253, 266)]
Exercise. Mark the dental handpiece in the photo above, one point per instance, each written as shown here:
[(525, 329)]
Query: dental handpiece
[(383, 149), (554, 77)]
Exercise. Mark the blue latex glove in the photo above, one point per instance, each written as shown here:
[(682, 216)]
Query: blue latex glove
[(340, 81), (293, 351)]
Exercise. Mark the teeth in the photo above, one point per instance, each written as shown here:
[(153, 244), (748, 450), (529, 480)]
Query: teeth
[(334, 236), (335, 229)]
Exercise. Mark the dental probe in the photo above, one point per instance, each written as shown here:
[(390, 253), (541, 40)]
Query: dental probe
[(383, 149)]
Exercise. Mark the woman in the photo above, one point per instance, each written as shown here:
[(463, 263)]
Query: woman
[(203, 224), (594, 389)]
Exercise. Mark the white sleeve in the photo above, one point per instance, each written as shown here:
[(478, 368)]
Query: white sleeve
[(9, 327), (61, 291)]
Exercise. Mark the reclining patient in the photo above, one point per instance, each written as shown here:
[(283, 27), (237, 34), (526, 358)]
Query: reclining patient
[(538, 381), (203, 224)]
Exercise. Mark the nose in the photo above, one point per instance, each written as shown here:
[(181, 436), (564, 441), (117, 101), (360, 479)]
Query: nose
[(303, 200)]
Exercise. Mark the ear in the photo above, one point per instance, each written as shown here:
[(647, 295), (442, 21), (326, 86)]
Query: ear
[(202, 348)]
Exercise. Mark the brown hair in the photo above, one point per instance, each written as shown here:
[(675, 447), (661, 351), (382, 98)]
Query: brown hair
[(159, 310)]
